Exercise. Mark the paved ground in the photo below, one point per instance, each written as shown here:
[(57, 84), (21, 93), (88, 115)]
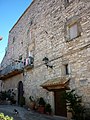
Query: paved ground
[(24, 114)]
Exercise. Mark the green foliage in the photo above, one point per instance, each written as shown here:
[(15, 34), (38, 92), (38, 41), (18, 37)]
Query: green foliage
[(31, 98), (3, 117), (38, 103), (3, 95), (48, 108), (41, 101), (74, 104), (8, 95), (22, 101)]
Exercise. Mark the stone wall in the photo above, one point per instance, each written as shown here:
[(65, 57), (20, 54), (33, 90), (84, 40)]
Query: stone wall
[(12, 84), (43, 24), (0, 85)]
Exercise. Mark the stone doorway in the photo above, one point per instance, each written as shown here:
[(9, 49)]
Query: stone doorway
[(58, 86), (20, 91)]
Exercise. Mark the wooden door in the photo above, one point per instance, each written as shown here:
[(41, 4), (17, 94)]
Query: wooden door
[(60, 103)]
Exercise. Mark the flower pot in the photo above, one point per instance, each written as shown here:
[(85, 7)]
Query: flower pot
[(41, 109), (32, 105)]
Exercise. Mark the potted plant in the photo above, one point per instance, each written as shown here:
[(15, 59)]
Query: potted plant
[(32, 103), (74, 105), (41, 103), (48, 109), (22, 101)]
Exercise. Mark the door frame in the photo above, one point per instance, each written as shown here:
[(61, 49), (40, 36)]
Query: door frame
[(64, 107)]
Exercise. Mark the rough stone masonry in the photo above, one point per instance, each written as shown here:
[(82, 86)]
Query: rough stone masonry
[(60, 31)]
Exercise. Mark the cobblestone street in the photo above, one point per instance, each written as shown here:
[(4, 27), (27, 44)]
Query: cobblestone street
[(24, 114)]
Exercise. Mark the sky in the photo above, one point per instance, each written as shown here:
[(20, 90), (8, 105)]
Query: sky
[(10, 12)]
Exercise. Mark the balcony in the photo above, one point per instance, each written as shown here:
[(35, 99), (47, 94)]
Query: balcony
[(11, 70), (16, 68)]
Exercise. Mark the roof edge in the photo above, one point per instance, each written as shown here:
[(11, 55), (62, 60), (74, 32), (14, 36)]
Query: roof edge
[(22, 15)]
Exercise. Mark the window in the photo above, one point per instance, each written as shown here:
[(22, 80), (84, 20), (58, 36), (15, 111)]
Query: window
[(31, 49), (66, 1), (13, 39), (73, 31), (30, 53), (66, 69), (73, 28)]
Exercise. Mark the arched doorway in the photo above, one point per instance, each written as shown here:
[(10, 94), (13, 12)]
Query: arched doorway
[(20, 91)]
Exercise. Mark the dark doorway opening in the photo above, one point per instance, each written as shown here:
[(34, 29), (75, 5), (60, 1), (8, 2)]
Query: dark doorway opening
[(20, 91)]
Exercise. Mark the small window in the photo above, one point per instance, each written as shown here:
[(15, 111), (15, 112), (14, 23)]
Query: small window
[(73, 31), (13, 39), (30, 53), (31, 49), (66, 69), (73, 28), (66, 1)]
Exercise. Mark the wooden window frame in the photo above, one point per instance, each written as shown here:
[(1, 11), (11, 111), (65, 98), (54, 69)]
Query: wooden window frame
[(74, 20), (69, 31)]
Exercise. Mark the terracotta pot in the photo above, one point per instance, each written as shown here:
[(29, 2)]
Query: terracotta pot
[(41, 109), (32, 105)]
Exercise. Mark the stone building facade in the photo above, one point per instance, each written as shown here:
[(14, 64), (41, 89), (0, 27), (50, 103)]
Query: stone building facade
[(56, 34)]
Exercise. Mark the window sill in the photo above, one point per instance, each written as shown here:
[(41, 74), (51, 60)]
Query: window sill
[(73, 38)]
